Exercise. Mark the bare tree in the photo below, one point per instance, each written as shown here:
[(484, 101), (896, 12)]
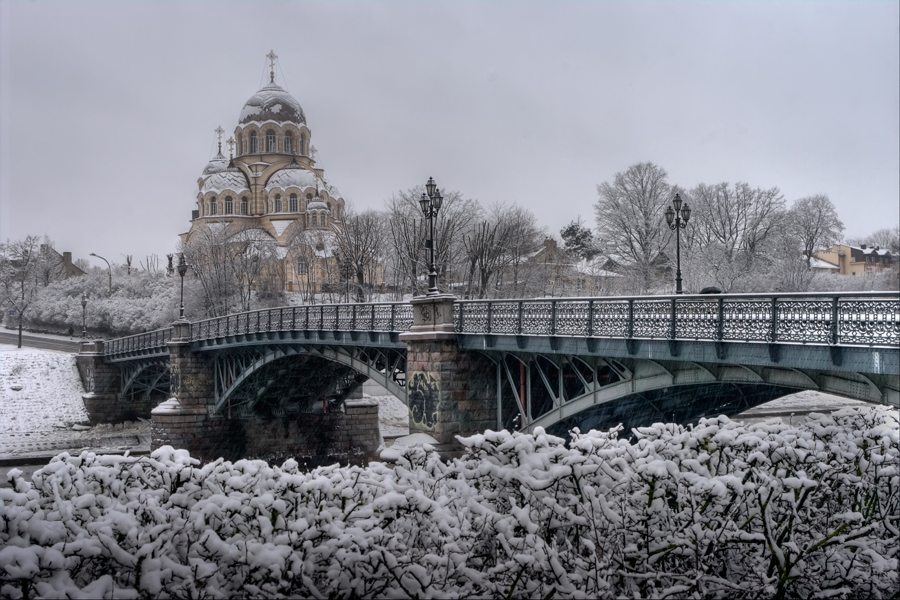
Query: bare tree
[(629, 218), (408, 232), (523, 239), (815, 224), (483, 247), (50, 264), (19, 263), (889, 239), (359, 240), (731, 229)]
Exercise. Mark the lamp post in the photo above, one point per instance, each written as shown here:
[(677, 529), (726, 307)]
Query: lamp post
[(431, 204), (677, 219), (83, 315), (108, 268), (182, 269)]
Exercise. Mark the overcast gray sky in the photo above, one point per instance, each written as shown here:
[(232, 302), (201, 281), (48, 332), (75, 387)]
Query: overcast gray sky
[(107, 109)]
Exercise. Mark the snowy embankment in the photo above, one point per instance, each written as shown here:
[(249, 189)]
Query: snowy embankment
[(40, 391), (717, 510)]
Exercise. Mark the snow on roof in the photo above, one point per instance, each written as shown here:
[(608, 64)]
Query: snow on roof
[(272, 103), (285, 178), (216, 165), (281, 225), (226, 180), (818, 263)]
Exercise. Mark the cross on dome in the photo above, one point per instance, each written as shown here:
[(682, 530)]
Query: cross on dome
[(230, 142), (219, 132), (271, 56)]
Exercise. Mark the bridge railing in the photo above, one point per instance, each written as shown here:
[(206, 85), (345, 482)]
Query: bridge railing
[(136, 343), (380, 316), (858, 318)]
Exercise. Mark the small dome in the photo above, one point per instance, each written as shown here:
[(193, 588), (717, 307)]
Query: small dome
[(228, 179), (218, 164), (292, 177), (272, 103), (317, 204)]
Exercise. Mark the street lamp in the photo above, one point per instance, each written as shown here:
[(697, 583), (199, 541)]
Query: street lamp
[(83, 315), (677, 219), (108, 268), (182, 269), (431, 204)]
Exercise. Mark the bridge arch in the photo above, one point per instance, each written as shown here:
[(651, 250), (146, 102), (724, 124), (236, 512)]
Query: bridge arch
[(143, 380), (686, 391), (235, 368)]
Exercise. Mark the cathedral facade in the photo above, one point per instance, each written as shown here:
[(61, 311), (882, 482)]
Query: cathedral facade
[(270, 184)]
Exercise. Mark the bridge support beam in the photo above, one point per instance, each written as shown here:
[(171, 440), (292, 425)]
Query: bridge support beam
[(450, 391)]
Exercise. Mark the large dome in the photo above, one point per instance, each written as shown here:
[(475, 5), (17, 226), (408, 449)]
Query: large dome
[(272, 103)]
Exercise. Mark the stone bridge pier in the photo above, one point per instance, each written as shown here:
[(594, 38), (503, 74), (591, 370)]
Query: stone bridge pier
[(450, 391)]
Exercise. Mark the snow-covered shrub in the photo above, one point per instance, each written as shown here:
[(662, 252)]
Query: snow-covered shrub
[(139, 302), (717, 510)]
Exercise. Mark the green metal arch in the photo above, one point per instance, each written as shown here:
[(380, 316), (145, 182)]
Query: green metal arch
[(335, 354)]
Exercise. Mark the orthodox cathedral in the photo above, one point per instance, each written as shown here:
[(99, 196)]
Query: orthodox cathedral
[(269, 181)]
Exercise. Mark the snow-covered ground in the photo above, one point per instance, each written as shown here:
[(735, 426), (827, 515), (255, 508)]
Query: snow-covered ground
[(40, 391)]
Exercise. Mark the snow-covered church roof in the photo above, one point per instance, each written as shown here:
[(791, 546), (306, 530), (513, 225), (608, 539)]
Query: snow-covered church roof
[(218, 164), (229, 179), (292, 177), (272, 103)]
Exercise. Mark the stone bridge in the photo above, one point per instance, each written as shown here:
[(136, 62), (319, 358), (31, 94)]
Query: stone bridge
[(280, 382)]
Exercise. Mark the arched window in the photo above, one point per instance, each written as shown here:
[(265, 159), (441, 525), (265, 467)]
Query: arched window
[(270, 141), (229, 205), (314, 220), (277, 202), (293, 202), (213, 206), (308, 199), (288, 143), (243, 144), (254, 143), (244, 206)]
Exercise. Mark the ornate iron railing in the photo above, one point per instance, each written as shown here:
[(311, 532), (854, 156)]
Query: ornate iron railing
[(138, 343), (860, 318), (387, 317), (857, 319)]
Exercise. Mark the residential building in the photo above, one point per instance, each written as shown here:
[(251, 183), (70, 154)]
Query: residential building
[(852, 260)]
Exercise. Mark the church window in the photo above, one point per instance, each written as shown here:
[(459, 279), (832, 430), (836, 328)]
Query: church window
[(254, 143), (288, 143), (270, 141), (213, 206), (229, 205), (277, 202), (244, 206), (314, 221), (293, 202)]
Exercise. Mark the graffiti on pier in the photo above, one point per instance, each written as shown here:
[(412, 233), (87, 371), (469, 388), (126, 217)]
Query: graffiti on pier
[(423, 399)]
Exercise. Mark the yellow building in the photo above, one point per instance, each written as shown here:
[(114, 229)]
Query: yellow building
[(270, 183), (852, 260)]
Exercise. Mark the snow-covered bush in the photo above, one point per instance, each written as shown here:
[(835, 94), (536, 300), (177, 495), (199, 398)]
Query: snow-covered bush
[(717, 510), (139, 302)]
